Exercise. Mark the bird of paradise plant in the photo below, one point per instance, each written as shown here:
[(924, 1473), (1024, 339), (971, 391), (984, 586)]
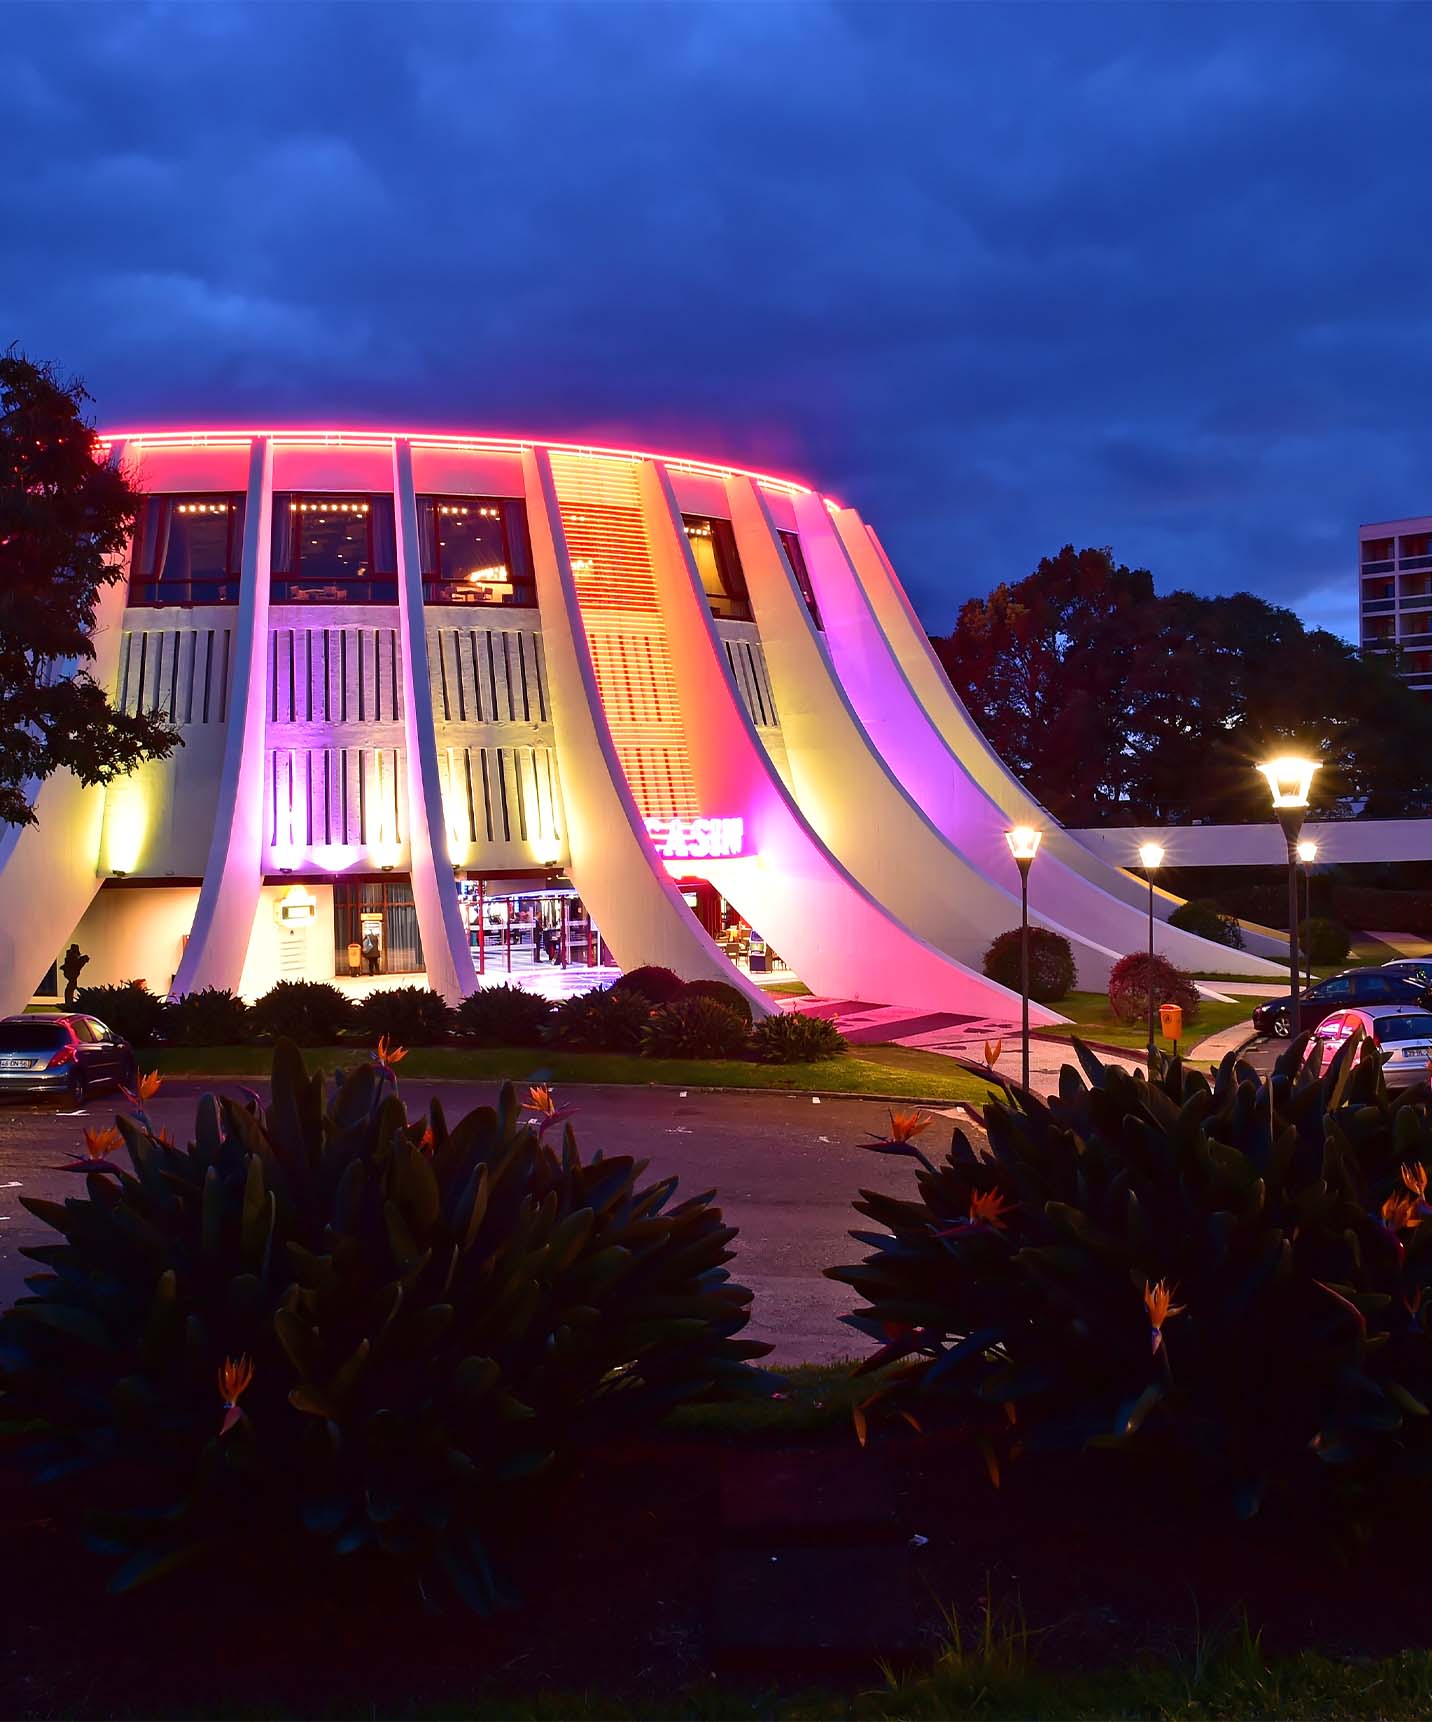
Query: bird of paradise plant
[(1160, 1307), (235, 1374)]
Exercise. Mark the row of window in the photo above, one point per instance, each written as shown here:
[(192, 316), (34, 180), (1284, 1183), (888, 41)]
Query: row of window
[(344, 550)]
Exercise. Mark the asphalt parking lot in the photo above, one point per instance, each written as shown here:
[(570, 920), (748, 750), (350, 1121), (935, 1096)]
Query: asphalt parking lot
[(786, 1169)]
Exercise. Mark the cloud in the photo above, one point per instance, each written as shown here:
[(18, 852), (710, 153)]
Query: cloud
[(1004, 277)]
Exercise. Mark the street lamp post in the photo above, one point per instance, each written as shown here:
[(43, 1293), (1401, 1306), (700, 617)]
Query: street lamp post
[(1151, 856), (1023, 843), (1290, 778), (1307, 854)]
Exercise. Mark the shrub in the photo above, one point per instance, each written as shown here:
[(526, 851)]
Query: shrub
[(1051, 963), (1229, 1272), (1203, 917), (503, 1016), (211, 1017), (606, 1019), (655, 984), (723, 993), (1130, 980), (131, 1010), (406, 1016), (1324, 941), (313, 1013), (792, 1038), (695, 1028), (407, 1324)]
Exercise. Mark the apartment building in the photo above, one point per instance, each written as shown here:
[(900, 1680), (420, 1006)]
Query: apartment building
[(1395, 601)]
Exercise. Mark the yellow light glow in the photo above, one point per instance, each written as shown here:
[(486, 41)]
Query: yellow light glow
[(1289, 778), (549, 850), (126, 824), (1023, 842), (1307, 851), (385, 851), (1150, 855)]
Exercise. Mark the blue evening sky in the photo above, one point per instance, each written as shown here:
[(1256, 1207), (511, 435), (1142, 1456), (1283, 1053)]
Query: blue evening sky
[(1002, 276)]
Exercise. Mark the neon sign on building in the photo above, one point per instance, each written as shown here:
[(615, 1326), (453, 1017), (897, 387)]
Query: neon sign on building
[(699, 839)]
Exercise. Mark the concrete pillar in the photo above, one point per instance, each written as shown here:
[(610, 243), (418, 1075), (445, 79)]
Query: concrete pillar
[(446, 952), (233, 873)]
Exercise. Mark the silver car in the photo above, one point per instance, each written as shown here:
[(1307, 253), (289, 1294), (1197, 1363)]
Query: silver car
[(1401, 1032)]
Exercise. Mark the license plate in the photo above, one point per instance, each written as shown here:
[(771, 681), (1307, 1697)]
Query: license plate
[(16, 1063), (1416, 1052)]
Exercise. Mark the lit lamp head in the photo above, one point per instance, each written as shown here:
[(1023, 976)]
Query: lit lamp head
[(1023, 843), (1307, 851), (1150, 856), (1290, 778)]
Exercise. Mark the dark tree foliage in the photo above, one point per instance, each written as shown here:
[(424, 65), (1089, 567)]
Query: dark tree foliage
[(65, 521), (1106, 698)]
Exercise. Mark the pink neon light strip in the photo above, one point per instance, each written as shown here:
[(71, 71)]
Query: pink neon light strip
[(225, 437)]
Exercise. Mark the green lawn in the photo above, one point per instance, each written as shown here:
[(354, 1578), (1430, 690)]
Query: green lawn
[(1091, 1019), (899, 1071)]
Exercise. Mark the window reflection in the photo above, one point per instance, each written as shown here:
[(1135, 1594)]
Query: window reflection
[(334, 550), (475, 550), (713, 547), (188, 550), (791, 544)]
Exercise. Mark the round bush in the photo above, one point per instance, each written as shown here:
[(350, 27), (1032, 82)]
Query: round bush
[(655, 984), (405, 1016), (694, 1028), (1203, 917), (723, 993), (312, 1013), (1324, 941), (606, 1019), (503, 1016), (1051, 963), (130, 1010), (211, 1017), (1130, 980), (327, 1328), (792, 1038)]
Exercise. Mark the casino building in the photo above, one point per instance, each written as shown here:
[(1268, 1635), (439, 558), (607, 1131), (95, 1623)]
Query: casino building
[(463, 708)]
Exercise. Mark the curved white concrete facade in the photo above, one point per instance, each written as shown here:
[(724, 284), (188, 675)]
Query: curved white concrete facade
[(395, 727)]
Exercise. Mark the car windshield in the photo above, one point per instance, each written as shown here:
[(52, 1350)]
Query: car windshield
[(30, 1036), (1404, 1028)]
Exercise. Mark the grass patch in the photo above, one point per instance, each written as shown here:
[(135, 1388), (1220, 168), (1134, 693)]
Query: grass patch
[(896, 1070), (814, 1396), (1091, 1019), (788, 989)]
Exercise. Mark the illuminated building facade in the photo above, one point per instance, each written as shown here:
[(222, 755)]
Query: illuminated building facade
[(422, 678)]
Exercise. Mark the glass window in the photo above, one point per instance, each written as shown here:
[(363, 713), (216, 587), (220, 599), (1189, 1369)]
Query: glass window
[(791, 544), (1370, 987), (713, 545), (188, 550), (376, 923), (334, 550), (1392, 1028), (31, 1036), (475, 550), (1340, 988)]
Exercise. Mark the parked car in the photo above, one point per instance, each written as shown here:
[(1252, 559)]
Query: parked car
[(1357, 988), (1402, 1032), (65, 1055)]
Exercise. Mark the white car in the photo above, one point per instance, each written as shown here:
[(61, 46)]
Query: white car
[(1402, 1032)]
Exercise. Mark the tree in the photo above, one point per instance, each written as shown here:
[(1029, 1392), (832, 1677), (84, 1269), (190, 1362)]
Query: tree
[(66, 516), (1110, 701)]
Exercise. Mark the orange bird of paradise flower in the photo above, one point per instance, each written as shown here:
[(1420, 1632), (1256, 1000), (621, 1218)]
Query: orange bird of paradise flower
[(235, 1374), (988, 1208), (541, 1101), (99, 1143), (149, 1084), (1414, 1175), (993, 1049), (386, 1056), (1158, 1301), (1401, 1212)]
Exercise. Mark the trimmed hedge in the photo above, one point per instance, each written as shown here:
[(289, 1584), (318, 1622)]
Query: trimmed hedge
[(1130, 980), (656, 985), (723, 993), (1324, 941), (405, 1016), (130, 1010), (310, 1013), (503, 1016), (1202, 917), (213, 1016), (1051, 963), (1373, 910)]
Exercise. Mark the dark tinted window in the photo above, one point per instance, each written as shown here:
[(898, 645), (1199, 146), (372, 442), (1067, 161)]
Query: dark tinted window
[(31, 1036), (1339, 988), (475, 550), (791, 544), (713, 545), (188, 550), (334, 550), (1404, 1028), (1376, 987)]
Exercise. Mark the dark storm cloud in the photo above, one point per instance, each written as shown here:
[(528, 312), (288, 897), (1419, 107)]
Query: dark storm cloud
[(1003, 277)]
